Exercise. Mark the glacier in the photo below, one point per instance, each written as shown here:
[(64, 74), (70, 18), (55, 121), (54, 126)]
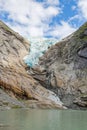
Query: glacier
[(38, 46)]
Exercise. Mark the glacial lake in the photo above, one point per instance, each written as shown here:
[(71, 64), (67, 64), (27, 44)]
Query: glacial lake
[(27, 119)]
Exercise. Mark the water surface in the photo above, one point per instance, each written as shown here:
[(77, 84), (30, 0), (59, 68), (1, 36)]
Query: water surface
[(24, 119)]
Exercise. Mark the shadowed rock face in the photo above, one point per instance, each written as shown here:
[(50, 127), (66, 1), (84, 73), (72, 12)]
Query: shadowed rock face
[(14, 79), (63, 69)]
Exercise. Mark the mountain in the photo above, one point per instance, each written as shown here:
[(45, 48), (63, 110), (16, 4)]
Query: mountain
[(63, 69), (17, 87), (57, 80)]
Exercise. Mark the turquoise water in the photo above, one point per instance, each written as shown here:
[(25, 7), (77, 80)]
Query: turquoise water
[(24, 119)]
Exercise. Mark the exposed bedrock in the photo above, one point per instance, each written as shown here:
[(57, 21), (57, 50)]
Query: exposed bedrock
[(14, 79), (63, 69)]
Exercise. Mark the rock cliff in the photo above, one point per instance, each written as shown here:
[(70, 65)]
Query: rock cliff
[(63, 69), (14, 79), (60, 73)]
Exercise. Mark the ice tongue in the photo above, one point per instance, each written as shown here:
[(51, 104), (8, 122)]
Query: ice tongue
[(38, 46)]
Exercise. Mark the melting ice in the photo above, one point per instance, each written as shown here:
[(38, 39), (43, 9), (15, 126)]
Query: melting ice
[(38, 47)]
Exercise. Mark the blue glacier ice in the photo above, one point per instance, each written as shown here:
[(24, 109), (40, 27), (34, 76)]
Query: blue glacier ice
[(38, 46)]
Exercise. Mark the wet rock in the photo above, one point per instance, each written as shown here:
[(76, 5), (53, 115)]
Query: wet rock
[(81, 101), (43, 105)]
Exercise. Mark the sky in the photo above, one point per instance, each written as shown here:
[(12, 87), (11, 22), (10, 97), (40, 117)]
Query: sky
[(44, 18)]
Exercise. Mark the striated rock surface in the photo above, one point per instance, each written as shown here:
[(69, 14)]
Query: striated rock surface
[(14, 79), (63, 69), (7, 102)]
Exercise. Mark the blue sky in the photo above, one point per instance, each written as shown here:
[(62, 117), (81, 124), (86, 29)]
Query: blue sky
[(44, 18)]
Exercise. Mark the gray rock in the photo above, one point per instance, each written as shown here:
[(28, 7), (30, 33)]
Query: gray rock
[(66, 68), (83, 52)]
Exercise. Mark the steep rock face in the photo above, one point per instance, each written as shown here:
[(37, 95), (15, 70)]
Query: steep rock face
[(14, 78), (63, 69)]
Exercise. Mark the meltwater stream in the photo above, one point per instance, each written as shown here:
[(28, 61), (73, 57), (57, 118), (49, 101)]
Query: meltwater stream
[(27, 119), (38, 47)]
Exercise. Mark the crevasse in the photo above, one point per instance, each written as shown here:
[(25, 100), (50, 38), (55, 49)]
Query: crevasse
[(38, 47)]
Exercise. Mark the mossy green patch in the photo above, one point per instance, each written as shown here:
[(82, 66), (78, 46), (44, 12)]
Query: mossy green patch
[(16, 107), (81, 29)]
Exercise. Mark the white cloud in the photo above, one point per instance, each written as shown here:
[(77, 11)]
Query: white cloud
[(82, 5), (34, 15), (52, 2), (62, 30), (31, 18), (73, 7), (74, 17)]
